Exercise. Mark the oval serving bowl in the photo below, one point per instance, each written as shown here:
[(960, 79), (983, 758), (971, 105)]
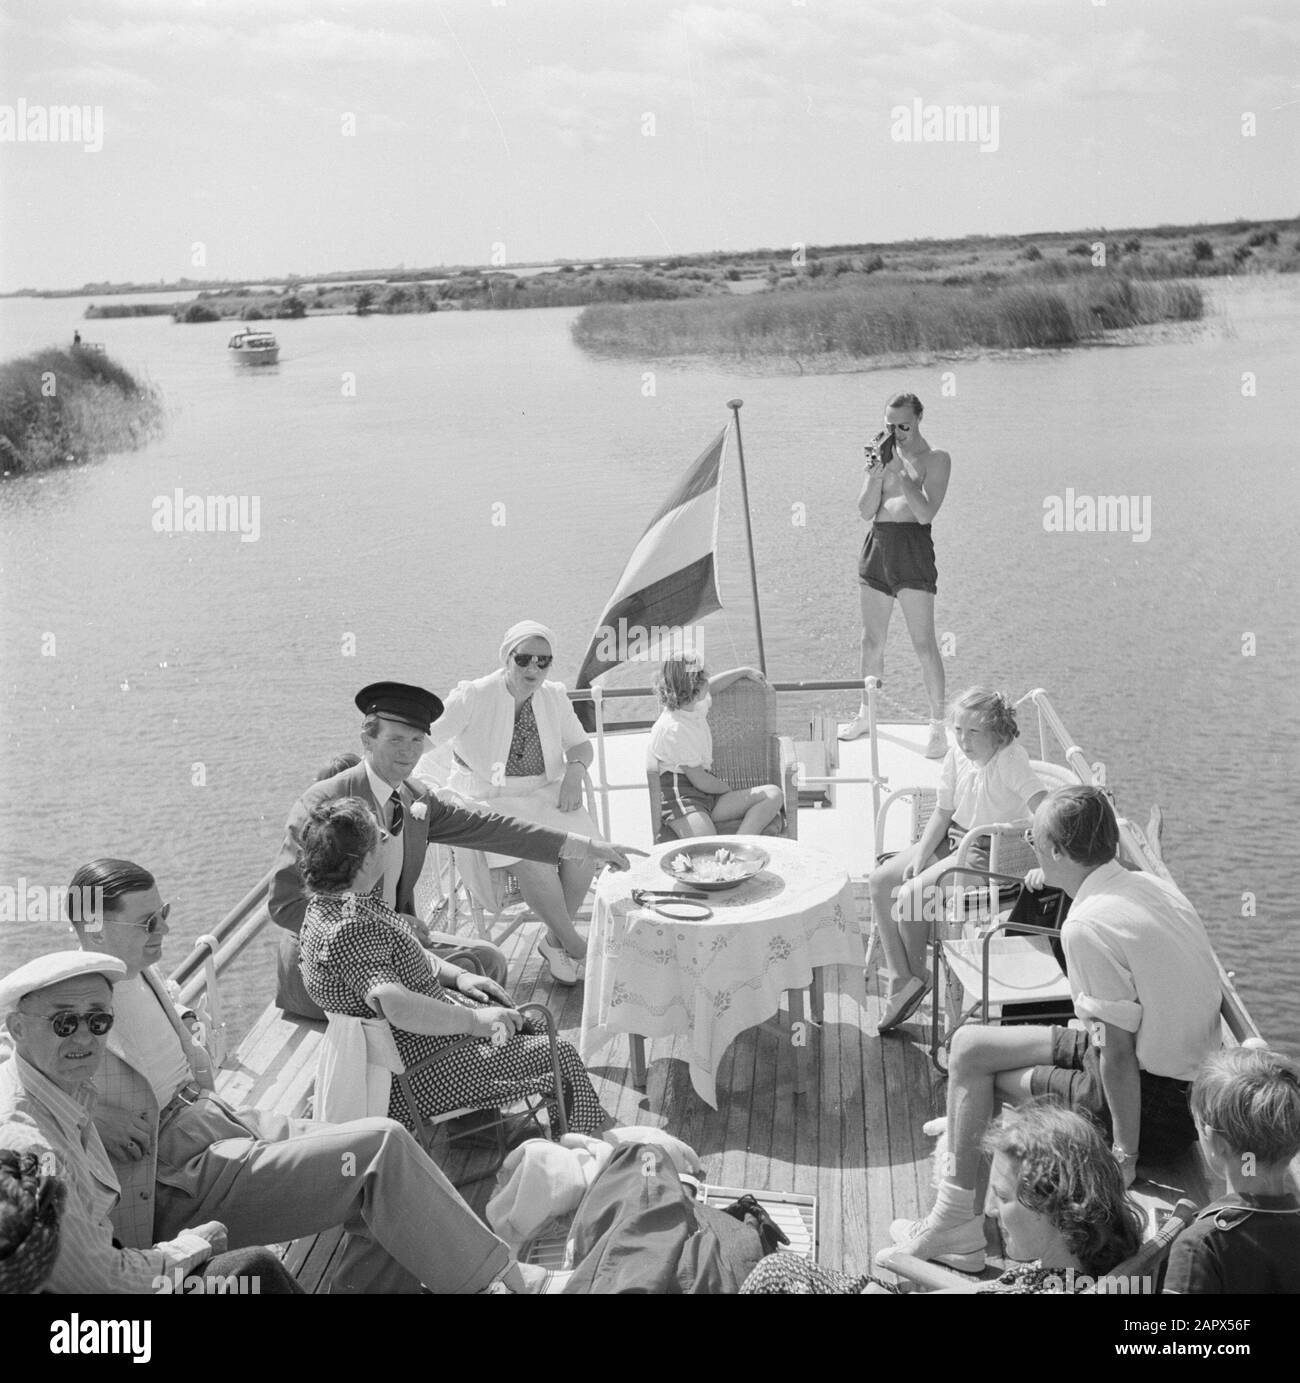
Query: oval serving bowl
[(751, 858)]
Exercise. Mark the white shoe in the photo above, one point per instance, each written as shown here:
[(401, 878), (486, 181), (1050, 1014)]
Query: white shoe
[(564, 968), (937, 745), (959, 1246), (902, 1005), (860, 725), (935, 1128)]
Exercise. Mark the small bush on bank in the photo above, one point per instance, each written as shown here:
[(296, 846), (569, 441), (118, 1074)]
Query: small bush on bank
[(65, 407)]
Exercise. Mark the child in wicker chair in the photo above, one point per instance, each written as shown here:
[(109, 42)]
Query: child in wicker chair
[(694, 800)]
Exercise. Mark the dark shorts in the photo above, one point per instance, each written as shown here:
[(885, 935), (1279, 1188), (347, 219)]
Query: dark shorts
[(979, 851), (1075, 1077), (947, 848), (679, 797), (898, 557)]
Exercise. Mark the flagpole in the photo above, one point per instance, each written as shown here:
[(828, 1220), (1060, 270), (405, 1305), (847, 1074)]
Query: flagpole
[(736, 405)]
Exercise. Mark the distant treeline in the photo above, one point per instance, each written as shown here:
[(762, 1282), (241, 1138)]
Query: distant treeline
[(564, 288), (859, 320), (64, 407), (1222, 247)]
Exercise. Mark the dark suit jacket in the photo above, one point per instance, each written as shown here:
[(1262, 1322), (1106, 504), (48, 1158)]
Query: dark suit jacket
[(444, 824)]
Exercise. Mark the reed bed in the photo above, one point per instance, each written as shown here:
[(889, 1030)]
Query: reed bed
[(862, 321), (66, 407), (95, 311)]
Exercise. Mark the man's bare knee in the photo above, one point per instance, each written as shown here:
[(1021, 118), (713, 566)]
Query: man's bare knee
[(969, 1052)]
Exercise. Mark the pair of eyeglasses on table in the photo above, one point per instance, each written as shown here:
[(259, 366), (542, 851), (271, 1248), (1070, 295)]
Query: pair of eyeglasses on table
[(677, 905)]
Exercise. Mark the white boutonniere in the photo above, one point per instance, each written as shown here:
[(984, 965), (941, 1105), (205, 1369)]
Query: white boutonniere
[(419, 810)]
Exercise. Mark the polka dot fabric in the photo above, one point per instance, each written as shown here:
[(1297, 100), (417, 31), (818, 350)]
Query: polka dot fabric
[(350, 944)]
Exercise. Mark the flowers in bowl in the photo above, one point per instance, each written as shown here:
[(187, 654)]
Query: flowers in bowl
[(720, 867)]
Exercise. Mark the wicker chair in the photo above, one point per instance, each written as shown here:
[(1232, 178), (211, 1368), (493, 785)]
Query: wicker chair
[(747, 751)]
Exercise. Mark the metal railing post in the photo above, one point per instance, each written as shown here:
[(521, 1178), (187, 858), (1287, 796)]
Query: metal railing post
[(597, 700), (872, 688), (216, 1043)]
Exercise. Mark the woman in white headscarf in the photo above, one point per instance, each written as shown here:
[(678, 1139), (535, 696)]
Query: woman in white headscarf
[(518, 746)]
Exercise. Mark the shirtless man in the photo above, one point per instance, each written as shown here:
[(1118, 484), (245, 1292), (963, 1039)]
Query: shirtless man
[(899, 498)]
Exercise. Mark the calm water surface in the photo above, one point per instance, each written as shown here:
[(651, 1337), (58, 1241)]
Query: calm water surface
[(197, 681)]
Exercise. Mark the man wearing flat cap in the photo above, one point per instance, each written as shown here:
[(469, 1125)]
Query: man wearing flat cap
[(59, 1011), (394, 734), (182, 1153)]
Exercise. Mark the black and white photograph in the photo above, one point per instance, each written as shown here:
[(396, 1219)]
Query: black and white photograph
[(649, 647)]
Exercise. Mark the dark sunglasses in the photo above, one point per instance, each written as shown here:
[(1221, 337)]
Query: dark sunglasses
[(66, 1023), (543, 660), (151, 924)]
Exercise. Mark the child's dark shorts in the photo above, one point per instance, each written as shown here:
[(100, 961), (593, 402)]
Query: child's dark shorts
[(898, 557), (680, 797), (1075, 1078)]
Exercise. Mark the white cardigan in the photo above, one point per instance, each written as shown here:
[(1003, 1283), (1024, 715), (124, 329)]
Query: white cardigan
[(478, 722)]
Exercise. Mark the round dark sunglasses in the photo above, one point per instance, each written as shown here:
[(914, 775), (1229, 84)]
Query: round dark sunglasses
[(66, 1023), (543, 660)]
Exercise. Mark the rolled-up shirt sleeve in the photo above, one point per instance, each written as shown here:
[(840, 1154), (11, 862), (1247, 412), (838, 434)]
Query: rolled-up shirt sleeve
[(1101, 983)]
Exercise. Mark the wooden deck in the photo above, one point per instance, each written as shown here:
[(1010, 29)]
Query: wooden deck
[(854, 1140)]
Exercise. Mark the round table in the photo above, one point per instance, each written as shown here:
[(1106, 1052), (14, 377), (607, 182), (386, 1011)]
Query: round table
[(713, 979)]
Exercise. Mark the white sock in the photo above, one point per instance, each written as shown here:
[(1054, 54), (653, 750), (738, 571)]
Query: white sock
[(955, 1205)]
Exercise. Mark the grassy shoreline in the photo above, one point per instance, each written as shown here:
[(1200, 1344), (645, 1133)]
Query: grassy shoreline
[(66, 407)]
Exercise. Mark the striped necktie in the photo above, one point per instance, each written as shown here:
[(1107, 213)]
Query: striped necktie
[(396, 803)]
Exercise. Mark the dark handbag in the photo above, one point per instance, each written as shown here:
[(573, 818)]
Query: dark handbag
[(749, 1211), (1049, 907)]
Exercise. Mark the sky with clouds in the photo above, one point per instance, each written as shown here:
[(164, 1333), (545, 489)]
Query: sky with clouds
[(306, 136)]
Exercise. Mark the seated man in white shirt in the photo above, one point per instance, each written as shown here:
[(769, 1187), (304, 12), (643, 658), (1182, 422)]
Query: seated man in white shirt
[(1144, 981)]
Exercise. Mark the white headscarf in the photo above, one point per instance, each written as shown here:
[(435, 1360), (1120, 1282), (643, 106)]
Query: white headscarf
[(525, 629)]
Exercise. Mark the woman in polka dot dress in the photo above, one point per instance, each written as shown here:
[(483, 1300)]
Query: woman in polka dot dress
[(355, 948)]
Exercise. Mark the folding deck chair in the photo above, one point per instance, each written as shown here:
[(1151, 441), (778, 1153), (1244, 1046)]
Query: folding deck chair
[(450, 898), (382, 1055), (1008, 853), (1009, 970)]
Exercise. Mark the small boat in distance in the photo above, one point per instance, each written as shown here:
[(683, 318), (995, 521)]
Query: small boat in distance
[(253, 347)]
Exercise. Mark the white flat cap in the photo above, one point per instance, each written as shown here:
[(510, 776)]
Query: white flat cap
[(53, 969)]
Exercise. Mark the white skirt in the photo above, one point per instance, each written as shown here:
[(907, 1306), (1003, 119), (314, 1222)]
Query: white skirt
[(534, 799)]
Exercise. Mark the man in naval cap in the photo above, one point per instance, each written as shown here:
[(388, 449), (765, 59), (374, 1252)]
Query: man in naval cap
[(396, 721)]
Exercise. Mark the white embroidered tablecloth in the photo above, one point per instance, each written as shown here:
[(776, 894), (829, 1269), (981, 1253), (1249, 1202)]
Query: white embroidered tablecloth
[(715, 978)]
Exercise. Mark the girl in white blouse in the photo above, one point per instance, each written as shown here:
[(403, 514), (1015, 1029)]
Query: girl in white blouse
[(987, 778), (694, 800)]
